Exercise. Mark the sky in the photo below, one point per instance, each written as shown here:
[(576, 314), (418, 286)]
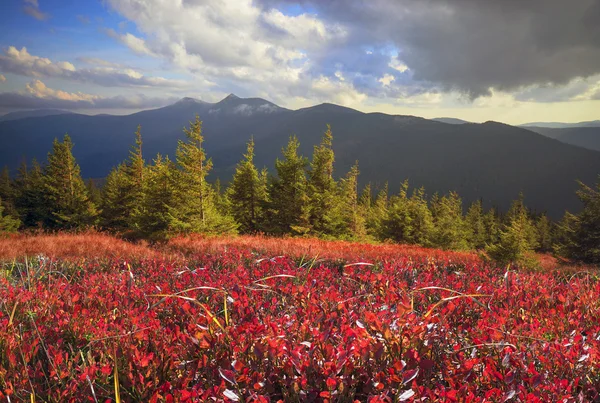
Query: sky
[(514, 61)]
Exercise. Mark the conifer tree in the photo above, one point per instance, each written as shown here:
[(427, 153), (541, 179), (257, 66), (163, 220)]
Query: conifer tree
[(68, 201), (450, 229), (30, 196), (477, 234), (515, 242), (491, 224), (543, 228), (158, 220), (94, 191), (377, 214), (134, 172), (321, 187), (585, 241), (197, 210), (123, 193), (353, 221), (7, 192), (247, 193), (409, 220), (288, 206), (115, 201), (7, 222)]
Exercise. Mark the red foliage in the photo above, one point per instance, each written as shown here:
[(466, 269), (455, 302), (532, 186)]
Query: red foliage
[(234, 320)]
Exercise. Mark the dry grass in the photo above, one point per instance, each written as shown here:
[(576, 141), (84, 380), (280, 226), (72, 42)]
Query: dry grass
[(89, 245), (308, 247)]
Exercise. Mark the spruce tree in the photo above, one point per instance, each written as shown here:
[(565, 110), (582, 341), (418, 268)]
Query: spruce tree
[(134, 172), (123, 193), (544, 231), (409, 220), (7, 222), (321, 187), (7, 192), (477, 234), (450, 230), (587, 230), (353, 222), (247, 194), (515, 243), (158, 220), (491, 223), (68, 201), (115, 201), (377, 214), (288, 206), (30, 200), (197, 210)]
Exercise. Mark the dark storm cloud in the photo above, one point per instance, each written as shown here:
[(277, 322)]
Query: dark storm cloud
[(474, 45)]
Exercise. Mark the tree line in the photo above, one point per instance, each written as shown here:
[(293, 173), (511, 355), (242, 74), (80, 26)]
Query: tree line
[(168, 197)]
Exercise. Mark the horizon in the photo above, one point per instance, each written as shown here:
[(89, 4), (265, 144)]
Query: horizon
[(438, 59)]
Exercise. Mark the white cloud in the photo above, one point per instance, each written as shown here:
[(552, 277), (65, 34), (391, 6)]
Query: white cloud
[(387, 79), (21, 62), (32, 8), (138, 45), (234, 43), (38, 95)]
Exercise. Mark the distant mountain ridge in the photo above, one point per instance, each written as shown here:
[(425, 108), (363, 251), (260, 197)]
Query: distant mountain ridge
[(32, 114), (491, 161), (559, 125)]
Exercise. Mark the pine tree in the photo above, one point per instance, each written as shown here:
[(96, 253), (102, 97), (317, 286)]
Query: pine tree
[(515, 244), (543, 228), (450, 230), (7, 222), (30, 197), (123, 193), (158, 221), (7, 193), (491, 224), (115, 201), (408, 220), (321, 187), (377, 214), (477, 234), (134, 172), (587, 231), (353, 221), (288, 207), (67, 198), (197, 210), (421, 219), (247, 194)]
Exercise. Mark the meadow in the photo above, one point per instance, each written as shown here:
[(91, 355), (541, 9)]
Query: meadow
[(91, 318)]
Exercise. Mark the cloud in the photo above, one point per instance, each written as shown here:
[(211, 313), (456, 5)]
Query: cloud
[(138, 45), (37, 95), (32, 9), (231, 42), (21, 62), (83, 19), (472, 46), (2, 78)]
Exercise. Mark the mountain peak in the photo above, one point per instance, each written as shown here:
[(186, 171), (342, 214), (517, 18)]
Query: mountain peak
[(188, 100), (230, 97)]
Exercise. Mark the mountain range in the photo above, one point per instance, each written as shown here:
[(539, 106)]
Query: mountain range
[(491, 161)]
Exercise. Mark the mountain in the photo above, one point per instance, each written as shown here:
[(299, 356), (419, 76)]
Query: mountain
[(32, 114), (586, 137), (451, 121), (558, 125), (491, 161)]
